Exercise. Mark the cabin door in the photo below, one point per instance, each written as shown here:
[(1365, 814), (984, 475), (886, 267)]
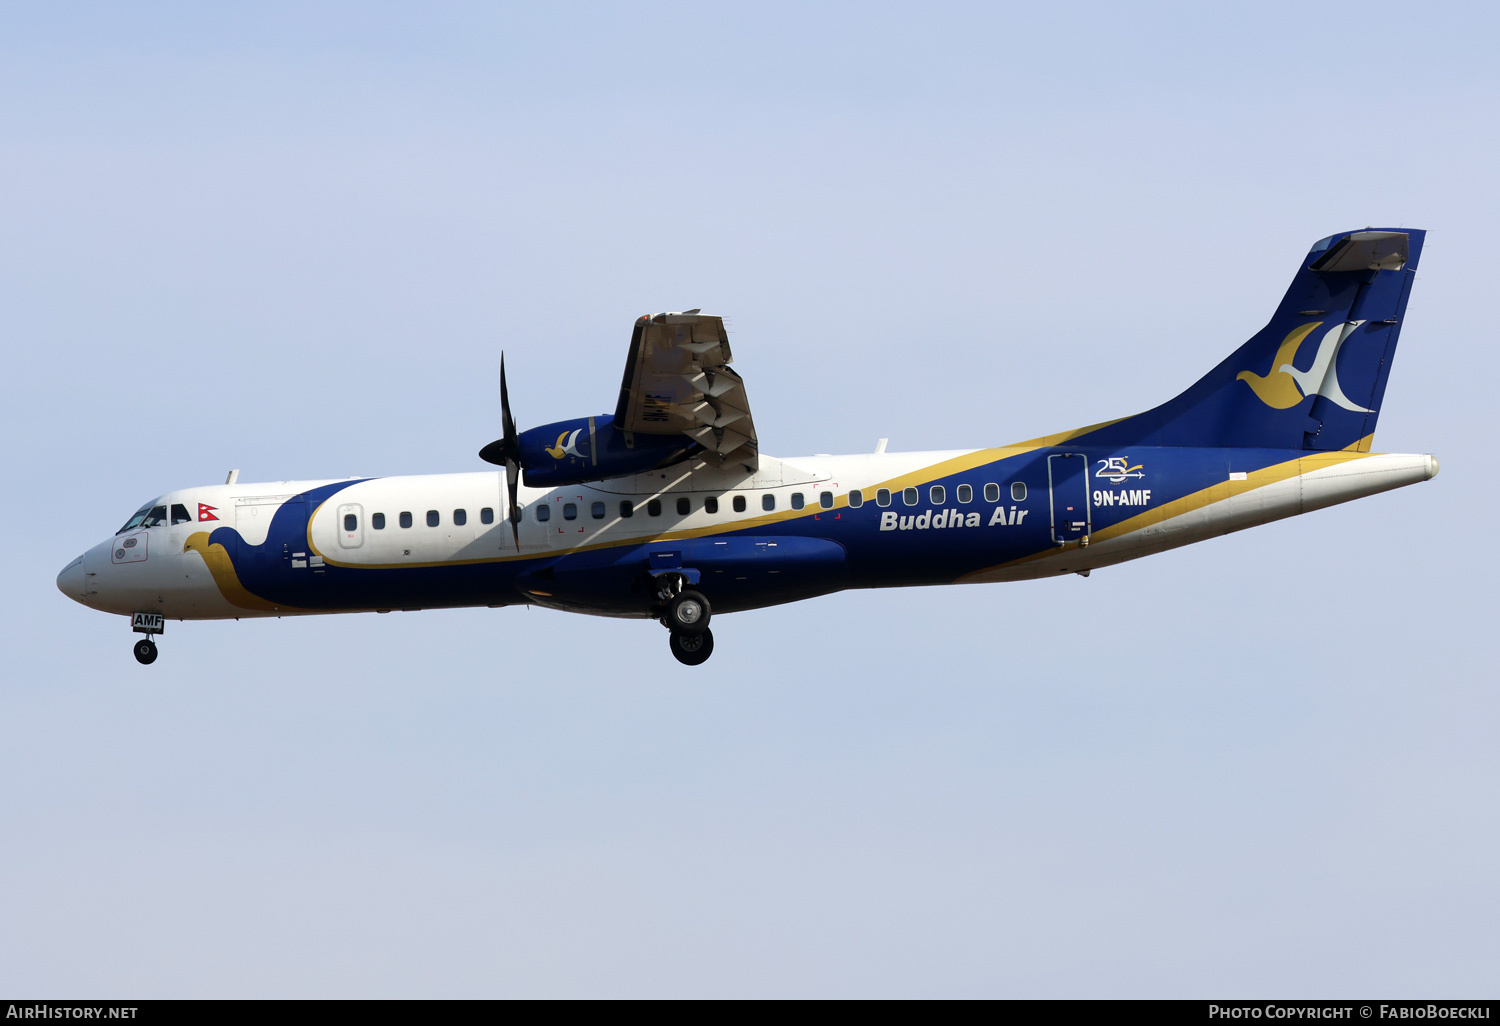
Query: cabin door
[(1068, 479), (351, 525)]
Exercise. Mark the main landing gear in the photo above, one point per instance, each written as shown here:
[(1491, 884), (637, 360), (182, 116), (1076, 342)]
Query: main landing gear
[(686, 615)]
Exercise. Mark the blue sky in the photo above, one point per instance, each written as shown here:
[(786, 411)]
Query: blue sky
[(294, 240)]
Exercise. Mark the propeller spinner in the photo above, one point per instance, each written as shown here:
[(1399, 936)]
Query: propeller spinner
[(506, 452)]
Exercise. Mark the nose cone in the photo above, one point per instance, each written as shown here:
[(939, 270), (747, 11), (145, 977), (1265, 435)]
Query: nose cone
[(70, 581)]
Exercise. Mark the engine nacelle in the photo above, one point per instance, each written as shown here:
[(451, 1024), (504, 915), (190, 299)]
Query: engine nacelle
[(591, 449)]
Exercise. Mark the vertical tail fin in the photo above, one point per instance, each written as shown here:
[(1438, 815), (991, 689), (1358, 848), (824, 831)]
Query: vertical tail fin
[(1314, 377)]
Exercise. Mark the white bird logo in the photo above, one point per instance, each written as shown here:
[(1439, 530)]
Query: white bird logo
[(1286, 386), (569, 448)]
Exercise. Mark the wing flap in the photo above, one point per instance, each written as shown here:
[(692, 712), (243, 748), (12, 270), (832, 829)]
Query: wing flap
[(677, 381)]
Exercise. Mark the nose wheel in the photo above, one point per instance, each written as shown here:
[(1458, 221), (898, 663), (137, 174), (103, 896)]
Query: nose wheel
[(145, 651), (692, 648)]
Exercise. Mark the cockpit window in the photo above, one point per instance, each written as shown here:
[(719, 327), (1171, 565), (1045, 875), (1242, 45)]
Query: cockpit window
[(146, 516), (180, 514), (135, 520)]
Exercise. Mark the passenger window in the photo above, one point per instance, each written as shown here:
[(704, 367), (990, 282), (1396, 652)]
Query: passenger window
[(460, 517), (825, 499), (797, 501), (351, 522), (768, 502), (432, 518), (883, 497), (739, 504), (1018, 491), (710, 505), (938, 494), (405, 519), (965, 493), (597, 511), (654, 507), (627, 510), (487, 515), (684, 506), (543, 512), (570, 511), (909, 496), (180, 514), (992, 492), (158, 515), (856, 498), (377, 521)]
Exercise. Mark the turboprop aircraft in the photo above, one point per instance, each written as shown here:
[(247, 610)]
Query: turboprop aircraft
[(668, 510)]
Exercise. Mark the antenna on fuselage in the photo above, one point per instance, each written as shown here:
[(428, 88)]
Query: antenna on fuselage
[(234, 475)]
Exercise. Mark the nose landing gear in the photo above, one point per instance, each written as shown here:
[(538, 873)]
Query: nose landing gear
[(148, 624)]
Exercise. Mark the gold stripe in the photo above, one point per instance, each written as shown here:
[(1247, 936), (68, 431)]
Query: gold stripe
[(229, 584), (1060, 437), (1195, 500), (923, 475), (955, 465)]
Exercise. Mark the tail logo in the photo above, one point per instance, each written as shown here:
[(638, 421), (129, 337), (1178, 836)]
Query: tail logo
[(568, 448), (1286, 386)]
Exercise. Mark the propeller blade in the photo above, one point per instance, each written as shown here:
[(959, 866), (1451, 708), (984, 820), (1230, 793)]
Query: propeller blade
[(507, 448), (512, 482), (505, 451), (507, 422), (512, 456)]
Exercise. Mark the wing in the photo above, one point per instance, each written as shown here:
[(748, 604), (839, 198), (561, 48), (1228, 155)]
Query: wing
[(678, 381)]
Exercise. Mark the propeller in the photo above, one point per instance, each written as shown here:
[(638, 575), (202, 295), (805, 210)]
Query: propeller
[(506, 452)]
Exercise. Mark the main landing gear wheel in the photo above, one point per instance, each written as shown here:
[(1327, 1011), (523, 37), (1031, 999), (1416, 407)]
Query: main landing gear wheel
[(688, 612), (145, 651), (693, 648)]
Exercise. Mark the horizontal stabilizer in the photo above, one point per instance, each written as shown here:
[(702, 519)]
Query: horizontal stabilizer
[(1365, 251)]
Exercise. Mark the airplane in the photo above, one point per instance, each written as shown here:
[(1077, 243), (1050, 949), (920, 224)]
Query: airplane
[(668, 510)]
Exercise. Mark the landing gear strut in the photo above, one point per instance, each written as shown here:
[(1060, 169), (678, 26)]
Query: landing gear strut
[(693, 648), (145, 651), (686, 614)]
